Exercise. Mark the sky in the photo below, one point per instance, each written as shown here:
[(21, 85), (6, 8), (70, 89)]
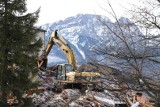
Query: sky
[(55, 10)]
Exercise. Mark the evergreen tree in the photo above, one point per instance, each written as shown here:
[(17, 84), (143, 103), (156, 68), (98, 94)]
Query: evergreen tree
[(19, 48)]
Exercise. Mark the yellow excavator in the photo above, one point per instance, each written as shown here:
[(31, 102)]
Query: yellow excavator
[(65, 73)]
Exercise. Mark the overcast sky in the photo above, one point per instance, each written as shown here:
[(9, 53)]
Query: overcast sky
[(55, 10)]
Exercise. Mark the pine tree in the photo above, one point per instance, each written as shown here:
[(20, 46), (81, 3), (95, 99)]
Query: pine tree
[(19, 48)]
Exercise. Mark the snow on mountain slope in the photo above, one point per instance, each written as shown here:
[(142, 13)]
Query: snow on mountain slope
[(82, 32)]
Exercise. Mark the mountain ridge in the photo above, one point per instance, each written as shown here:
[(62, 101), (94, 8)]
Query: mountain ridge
[(82, 32)]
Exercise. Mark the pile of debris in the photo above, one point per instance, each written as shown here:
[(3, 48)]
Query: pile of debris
[(74, 98), (71, 97)]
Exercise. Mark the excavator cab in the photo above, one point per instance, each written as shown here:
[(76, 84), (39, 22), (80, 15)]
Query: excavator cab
[(62, 70)]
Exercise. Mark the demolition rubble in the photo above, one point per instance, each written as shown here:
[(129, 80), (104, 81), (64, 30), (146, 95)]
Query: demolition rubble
[(74, 98), (71, 97)]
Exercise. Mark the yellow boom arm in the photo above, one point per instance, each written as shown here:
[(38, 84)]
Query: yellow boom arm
[(56, 39)]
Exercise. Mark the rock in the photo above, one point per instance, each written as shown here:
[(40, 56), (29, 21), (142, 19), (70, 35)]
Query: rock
[(70, 94)]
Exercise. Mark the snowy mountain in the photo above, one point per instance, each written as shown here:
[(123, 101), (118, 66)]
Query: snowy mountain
[(82, 32)]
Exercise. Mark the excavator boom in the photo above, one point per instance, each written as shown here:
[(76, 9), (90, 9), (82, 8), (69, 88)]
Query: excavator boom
[(56, 39)]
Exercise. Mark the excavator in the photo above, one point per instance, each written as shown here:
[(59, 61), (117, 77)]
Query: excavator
[(65, 73)]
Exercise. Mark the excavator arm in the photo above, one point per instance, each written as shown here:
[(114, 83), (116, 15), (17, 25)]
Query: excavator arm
[(56, 39)]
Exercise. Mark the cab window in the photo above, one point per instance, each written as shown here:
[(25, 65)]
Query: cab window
[(68, 68)]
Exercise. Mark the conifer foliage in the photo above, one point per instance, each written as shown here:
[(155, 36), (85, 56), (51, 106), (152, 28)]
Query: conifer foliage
[(19, 48)]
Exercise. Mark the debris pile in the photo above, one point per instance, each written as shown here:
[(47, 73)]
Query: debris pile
[(73, 98)]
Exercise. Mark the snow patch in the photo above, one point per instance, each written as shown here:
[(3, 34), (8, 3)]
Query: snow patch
[(81, 52), (75, 41)]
